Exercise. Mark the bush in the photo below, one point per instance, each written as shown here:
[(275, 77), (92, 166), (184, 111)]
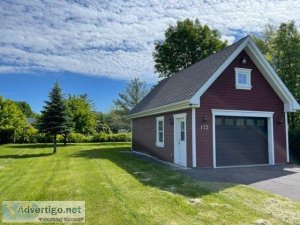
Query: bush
[(31, 135), (102, 137), (294, 142), (77, 138)]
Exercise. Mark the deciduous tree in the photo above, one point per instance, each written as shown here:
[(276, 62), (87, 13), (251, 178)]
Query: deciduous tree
[(13, 124), (81, 110), (281, 47), (185, 44)]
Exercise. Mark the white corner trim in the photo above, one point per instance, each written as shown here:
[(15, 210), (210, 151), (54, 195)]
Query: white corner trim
[(243, 113), (287, 138), (194, 154), (195, 99)]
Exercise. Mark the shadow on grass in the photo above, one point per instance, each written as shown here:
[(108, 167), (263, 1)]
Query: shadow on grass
[(25, 156), (152, 173), (61, 145), (40, 145)]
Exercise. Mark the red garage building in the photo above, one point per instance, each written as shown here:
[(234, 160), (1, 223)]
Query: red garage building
[(229, 109)]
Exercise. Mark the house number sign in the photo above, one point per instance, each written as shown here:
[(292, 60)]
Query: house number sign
[(204, 127)]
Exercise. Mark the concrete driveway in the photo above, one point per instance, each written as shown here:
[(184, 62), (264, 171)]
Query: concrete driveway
[(283, 180)]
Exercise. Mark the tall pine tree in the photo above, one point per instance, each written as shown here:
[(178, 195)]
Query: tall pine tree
[(54, 119)]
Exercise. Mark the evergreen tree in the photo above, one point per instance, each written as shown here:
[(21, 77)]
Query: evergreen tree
[(134, 92), (54, 119)]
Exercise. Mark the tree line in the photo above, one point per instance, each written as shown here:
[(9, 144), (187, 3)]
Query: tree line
[(69, 117)]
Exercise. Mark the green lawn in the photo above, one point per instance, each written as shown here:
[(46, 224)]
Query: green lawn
[(120, 188)]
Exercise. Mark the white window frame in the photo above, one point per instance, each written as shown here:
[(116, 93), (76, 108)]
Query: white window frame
[(248, 77), (159, 143)]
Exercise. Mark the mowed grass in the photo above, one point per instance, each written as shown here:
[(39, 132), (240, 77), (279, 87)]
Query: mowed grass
[(121, 188)]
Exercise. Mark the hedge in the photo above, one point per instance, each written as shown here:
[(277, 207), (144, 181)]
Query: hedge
[(32, 136)]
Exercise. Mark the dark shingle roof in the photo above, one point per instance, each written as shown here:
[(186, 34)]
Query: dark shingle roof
[(184, 84)]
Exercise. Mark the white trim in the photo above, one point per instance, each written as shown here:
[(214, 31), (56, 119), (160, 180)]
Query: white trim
[(245, 71), (194, 154), (243, 113), (180, 116), (271, 76), (287, 138), (196, 98), (163, 109), (159, 143)]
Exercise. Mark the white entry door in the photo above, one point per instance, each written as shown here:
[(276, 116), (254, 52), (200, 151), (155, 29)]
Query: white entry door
[(180, 139)]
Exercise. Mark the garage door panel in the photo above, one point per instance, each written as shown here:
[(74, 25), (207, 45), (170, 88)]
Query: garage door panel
[(241, 141), (240, 159)]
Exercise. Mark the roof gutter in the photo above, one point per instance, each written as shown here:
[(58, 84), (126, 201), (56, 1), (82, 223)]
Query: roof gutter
[(164, 109)]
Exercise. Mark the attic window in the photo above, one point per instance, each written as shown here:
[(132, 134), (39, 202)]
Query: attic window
[(243, 78)]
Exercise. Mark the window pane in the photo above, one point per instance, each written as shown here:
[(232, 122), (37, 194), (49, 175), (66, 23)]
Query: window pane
[(240, 122), (228, 122), (182, 126), (219, 121), (160, 137), (260, 123), (242, 78), (182, 136), (160, 125), (250, 122)]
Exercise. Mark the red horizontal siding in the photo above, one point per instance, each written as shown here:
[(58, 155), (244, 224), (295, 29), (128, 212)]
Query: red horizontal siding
[(144, 136), (222, 94)]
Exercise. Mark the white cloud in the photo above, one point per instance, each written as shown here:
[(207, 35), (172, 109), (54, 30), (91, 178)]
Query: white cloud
[(115, 39)]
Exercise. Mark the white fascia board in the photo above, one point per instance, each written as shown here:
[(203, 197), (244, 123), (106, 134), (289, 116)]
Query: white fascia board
[(196, 98), (272, 77), (163, 109)]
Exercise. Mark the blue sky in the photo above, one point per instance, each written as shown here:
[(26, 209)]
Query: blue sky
[(95, 47), (35, 88)]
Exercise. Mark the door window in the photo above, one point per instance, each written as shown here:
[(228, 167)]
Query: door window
[(182, 131)]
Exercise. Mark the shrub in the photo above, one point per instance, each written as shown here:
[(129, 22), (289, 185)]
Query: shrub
[(77, 138), (294, 142), (103, 137), (31, 135)]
